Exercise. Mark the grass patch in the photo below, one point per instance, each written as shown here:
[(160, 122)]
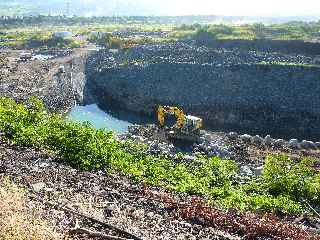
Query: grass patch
[(282, 188), (286, 31), (36, 39)]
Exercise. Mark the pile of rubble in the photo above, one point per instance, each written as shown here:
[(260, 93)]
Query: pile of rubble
[(268, 141), (158, 144), (249, 152), (180, 52)]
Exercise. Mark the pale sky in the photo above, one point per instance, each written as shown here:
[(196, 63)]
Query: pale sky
[(210, 7), (239, 7)]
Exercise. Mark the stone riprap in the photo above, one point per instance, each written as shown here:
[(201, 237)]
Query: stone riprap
[(245, 91)]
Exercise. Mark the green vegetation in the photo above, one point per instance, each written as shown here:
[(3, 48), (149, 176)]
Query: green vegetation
[(22, 37), (287, 31), (37, 39), (107, 40), (17, 32), (51, 42), (284, 186)]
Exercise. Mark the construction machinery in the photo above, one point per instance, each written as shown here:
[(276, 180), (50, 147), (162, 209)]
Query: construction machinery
[(187, 127)]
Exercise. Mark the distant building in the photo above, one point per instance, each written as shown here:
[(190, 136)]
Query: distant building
[(98, 34), (64, 34)]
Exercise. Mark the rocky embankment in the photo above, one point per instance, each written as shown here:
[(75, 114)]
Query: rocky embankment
[(55, 76), (245, 91), (249, 152)]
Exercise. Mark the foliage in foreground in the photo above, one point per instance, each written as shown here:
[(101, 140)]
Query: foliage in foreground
[(282, 188), (248, 225), (16, 220)]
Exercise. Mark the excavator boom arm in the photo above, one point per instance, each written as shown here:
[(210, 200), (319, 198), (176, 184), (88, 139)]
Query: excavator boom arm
[(178, 113)]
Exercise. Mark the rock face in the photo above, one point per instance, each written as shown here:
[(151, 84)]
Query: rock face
[(230, 89)]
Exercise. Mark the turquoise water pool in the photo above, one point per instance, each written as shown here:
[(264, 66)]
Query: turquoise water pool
[(99, 119)]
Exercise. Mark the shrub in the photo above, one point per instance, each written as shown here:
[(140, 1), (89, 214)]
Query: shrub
[(203, 36), (282, 176), (103, 39), (48, 41)]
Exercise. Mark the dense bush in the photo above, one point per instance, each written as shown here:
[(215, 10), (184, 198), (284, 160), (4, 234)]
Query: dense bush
[(282, 176), (36, 39), (51, 42), (282, 188), (203, 36), (102, 39)]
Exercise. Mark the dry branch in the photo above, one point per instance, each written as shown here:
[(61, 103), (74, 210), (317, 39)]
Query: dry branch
[(95, 234), (90, 218)]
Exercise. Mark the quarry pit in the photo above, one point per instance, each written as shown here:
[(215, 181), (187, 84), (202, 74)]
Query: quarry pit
[(232, 90), (255, 91)]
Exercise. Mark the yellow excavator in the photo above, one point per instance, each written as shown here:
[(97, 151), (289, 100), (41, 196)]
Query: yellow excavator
[(187, 127)]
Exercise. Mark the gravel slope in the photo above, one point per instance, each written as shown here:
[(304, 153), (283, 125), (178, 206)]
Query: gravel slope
[(110, 198)]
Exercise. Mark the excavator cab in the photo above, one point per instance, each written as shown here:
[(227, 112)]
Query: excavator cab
[(187, 127)]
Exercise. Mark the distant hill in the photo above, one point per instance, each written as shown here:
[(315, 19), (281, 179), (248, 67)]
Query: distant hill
[(78, 7)]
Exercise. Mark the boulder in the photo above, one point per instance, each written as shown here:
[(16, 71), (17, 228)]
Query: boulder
[(258, 171), (257, 140), (308, 144), (38, 187), (154, 147), (294, 143), (246, 171), (188, 158), (61, 69), (245, 138), (212, 153), (279, 143), (268, 140), (233, 135)]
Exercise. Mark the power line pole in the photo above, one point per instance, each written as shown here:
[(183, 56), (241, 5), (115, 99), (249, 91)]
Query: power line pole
[(68, 8)]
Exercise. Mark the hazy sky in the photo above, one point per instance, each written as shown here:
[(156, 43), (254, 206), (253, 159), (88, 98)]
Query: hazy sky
[(208, 7), (237, 7)]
